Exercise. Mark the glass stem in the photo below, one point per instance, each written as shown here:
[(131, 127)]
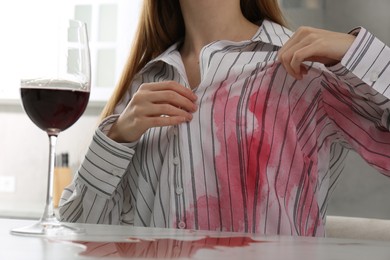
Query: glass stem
[(48, 214)]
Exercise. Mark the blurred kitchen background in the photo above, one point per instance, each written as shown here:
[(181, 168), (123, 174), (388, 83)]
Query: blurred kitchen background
[(361, 192)]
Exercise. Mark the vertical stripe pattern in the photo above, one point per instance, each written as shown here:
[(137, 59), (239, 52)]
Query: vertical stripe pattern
[(263, 152)]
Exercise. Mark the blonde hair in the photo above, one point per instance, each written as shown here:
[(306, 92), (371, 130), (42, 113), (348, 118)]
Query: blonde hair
[(161, 24)]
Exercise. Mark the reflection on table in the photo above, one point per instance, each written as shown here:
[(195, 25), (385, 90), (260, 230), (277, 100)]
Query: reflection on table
[(120, 242), (162, 247)]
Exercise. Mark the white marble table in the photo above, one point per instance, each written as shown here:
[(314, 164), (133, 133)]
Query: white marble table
[(118, 242)]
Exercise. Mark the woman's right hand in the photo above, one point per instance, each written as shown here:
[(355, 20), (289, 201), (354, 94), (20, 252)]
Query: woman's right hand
[(153, 105)]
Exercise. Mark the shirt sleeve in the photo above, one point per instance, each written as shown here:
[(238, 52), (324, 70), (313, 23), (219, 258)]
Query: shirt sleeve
[(358, 101), (368, 59), (96, 191)]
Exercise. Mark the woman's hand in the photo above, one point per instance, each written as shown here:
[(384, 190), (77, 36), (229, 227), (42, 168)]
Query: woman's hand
[(311, 44), (153, 105)]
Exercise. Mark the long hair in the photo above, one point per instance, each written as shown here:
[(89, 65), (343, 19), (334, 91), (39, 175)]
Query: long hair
[(161, 24)]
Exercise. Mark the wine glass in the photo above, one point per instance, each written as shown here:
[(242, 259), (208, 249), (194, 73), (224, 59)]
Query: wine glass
[(54, 101)]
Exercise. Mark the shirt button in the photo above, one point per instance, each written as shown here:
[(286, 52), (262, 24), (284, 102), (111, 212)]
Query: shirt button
[(179, 190), (176, 160), (374, 76), (175, 131), (181, 225)]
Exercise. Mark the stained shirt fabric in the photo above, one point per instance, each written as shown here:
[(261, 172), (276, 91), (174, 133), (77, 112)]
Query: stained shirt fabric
[(262, 153)]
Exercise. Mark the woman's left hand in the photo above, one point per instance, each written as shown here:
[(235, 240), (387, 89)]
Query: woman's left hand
[(311, 44)]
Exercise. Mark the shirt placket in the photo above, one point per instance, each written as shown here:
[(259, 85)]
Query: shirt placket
[(178, 188)]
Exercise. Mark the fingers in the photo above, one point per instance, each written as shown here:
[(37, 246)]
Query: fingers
[(294, 58), (298, 49), (173, 98), (167, 98), (170, 86), (315, 45), (154, 105), (163, 110)]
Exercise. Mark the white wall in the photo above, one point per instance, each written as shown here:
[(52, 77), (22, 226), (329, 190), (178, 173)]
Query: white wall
[(344, 15), (24, 147), (24, 156)]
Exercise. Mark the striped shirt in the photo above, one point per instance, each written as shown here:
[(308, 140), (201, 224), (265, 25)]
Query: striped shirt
[(262, 153)]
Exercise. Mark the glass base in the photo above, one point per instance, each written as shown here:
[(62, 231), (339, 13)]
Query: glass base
[(47, 228)]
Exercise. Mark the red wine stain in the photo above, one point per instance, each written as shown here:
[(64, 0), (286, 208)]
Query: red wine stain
[(160, 248)]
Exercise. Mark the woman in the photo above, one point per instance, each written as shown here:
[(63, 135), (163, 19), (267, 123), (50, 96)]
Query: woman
[(224, 120)]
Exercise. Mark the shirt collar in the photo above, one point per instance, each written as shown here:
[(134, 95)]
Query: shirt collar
[(272, 33), (269, 32)]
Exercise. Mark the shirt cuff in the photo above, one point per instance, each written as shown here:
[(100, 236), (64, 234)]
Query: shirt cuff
[(368, 60), (104, 164), (106, 125)]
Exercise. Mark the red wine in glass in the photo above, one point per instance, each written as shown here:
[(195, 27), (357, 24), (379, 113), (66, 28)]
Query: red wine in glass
[(53, 108)]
